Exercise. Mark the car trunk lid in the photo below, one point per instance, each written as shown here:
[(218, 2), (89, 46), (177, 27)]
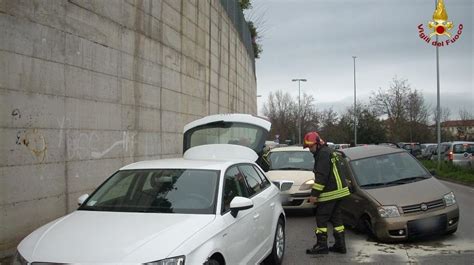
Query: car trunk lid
[(237, 129)]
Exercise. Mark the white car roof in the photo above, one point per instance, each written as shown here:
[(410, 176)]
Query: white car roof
[(179, 163), (289, 148), (234, 117)]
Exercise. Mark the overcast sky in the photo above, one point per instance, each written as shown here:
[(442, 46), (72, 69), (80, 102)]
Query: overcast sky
[(316, 39)]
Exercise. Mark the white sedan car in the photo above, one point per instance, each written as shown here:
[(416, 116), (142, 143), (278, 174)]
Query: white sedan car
[(213, 206), (295, 164)]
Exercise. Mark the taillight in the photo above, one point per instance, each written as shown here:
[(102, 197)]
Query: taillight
[(450, 156)]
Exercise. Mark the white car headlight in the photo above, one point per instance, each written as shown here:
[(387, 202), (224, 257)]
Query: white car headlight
[(307, 185), (388, 211), (450, 199), (169, 261)]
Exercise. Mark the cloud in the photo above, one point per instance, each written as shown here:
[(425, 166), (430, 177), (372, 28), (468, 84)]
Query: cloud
[(316, 40)]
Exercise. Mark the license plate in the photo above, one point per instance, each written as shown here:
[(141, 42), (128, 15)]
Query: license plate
[(427, 225)]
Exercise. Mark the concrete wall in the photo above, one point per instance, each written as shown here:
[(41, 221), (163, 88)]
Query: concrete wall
[(87, 86)]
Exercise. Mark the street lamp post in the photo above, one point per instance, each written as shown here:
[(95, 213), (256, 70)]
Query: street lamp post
[(438, 104), (299, 106), (258, 96), (355, 102)]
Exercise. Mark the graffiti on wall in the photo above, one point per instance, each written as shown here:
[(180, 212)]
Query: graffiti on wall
[(89, 144)]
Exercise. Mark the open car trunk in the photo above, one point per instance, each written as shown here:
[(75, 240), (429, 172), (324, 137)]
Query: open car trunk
[(238, 129)]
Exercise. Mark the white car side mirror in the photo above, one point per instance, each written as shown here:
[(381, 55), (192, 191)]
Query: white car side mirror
[(82, 199), (239, 204)]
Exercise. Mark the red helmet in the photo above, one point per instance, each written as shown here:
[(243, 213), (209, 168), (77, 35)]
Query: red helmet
[(311, 139)]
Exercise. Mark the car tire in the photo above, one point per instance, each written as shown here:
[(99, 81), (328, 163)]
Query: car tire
[(364, 225), (278, 249)]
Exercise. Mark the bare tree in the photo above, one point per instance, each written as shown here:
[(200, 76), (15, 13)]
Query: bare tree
[(392, 102), (281, 110), (445, 113), (406, 111), (465, 114), (310, 117), (417, 112), (329, 126)]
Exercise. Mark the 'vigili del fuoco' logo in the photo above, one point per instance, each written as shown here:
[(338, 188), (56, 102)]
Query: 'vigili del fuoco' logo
[(440, 26)]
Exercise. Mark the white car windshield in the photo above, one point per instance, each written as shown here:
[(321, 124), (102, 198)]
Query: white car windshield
[(157, 190), (291, 160), (389, 169)]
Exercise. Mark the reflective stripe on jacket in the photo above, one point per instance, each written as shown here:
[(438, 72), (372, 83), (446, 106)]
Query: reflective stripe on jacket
[(328, 183)]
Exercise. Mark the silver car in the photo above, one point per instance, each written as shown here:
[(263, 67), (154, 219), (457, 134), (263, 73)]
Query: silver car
[(459, 153)]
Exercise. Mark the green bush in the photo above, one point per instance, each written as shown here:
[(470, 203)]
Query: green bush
[(450, 171)]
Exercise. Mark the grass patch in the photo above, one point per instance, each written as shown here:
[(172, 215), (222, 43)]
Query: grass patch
[(450, 171)]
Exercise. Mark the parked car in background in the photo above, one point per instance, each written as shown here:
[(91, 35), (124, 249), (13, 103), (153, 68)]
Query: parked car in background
[(462, 154), (330, 144), (459, 153), (270, 145), (428, 151), (341, 146), (295, 164), (213, 206), (413, 148), (389, 144), (394, 197), (444, 148)]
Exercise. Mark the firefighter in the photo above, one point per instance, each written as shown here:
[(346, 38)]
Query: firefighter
[(327, 192)]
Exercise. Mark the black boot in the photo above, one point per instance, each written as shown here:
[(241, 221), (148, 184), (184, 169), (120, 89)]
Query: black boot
[(340, 244), (321, 246)]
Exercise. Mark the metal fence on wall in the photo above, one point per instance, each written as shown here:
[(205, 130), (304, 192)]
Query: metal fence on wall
[(236, 15)]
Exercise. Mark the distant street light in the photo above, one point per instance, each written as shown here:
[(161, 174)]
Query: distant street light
[(355, 103), (299, 106), (259, 96)]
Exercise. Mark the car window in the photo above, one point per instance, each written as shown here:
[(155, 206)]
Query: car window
[(157, 190), (291, 160), (444, 148), (386, 168), (265, 181), (120, 189), (463, 148), (226, 133), (253, 179), (234, 185)]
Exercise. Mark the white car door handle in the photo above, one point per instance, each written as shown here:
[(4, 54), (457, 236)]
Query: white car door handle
[(272, 205), (256, 216)]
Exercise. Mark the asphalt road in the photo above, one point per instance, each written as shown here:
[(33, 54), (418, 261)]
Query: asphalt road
[(453, 249)]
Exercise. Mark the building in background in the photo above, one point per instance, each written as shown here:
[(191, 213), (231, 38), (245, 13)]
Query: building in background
[(462, 130)]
